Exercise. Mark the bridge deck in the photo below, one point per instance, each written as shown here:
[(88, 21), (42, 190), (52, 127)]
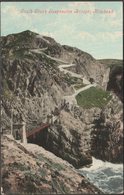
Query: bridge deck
[(36, 130)]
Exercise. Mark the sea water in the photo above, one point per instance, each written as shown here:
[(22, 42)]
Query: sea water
[(105, 175)]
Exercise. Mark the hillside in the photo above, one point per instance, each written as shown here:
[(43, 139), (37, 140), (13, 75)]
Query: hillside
[(111, 62)]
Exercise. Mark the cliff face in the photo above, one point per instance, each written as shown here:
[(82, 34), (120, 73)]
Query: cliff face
[(70, 136), (115, 82), (31, 169), (107, 135), (86, 65), (32, 83)]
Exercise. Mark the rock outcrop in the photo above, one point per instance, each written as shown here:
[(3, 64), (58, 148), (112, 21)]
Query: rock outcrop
[(86, 65), (32, 84), (70, 136), (29, 169), (115, 82), (107, 136)]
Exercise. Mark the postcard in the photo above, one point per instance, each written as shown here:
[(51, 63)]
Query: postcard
[(61, 97)]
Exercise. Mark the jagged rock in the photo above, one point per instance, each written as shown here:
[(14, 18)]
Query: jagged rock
[(115, 82), (86, 65), (107, 142)]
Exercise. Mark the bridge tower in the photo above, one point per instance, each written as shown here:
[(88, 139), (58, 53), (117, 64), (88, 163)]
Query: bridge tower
[(24, 137)]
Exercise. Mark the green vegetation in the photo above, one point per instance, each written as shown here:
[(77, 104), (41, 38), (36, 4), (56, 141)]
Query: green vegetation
[(93, 97), (78, 86), (73, 80), (31, 180), (60, 186), (7, 93), (55, 166), (19, 166), (20, 53), (20, 39), (111, 62), (64, 188), (42, 172), (47, 62)]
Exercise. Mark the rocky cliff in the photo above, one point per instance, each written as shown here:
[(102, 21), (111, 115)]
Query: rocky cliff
[(30, 78), (29, 169), (115, 82), (34, 88), (107, 134), (86, 65)]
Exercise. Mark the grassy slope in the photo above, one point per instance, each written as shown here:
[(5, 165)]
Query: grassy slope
[(93, 97)]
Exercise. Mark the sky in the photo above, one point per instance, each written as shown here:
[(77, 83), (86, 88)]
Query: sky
[(94, 27)]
